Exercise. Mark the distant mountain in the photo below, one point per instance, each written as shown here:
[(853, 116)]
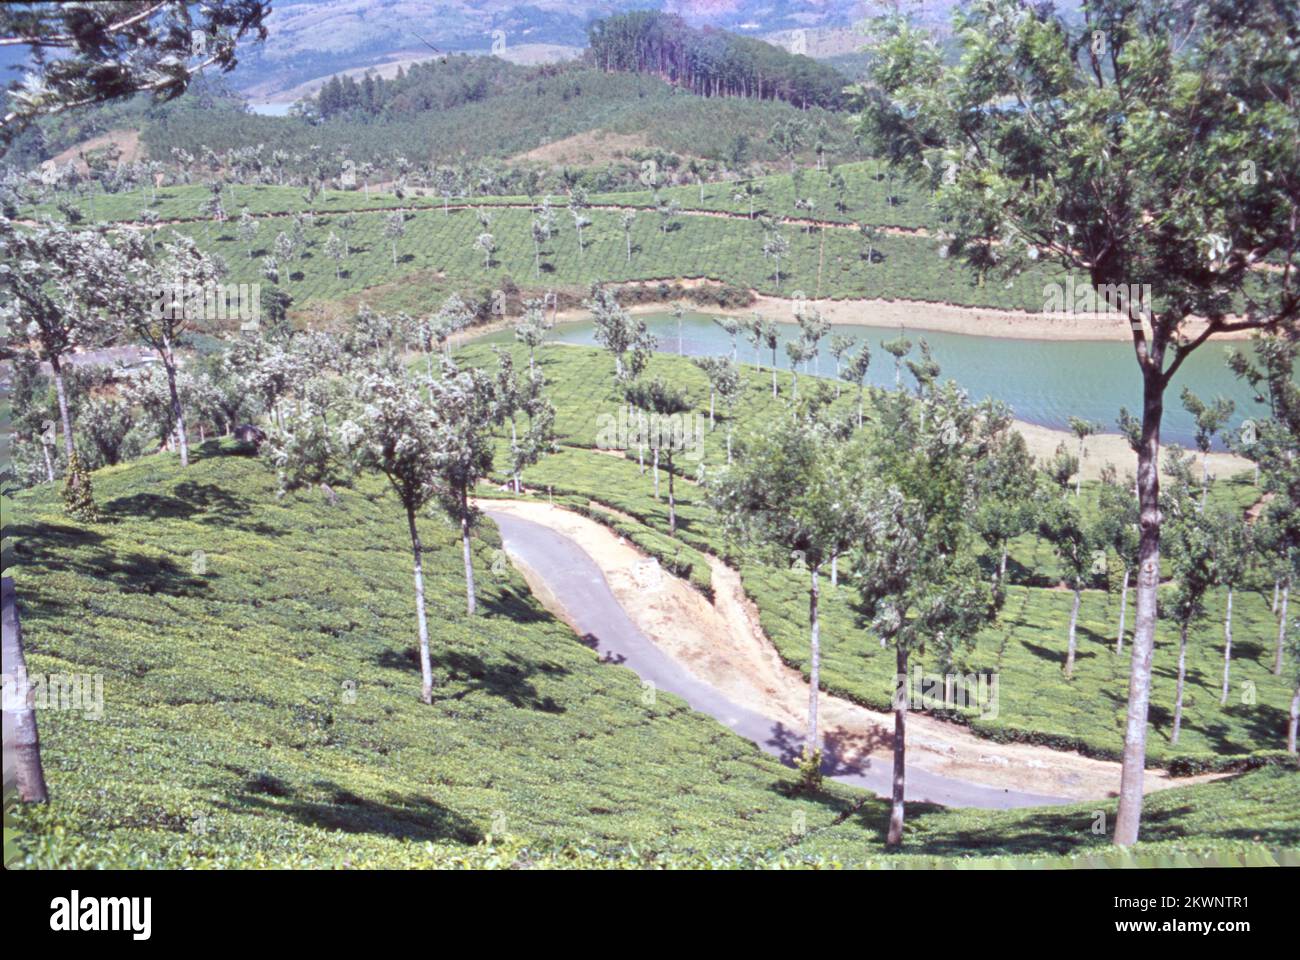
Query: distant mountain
[(312, 39)]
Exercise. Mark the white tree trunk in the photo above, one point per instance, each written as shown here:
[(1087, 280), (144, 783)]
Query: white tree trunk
[(1182, 678), (1129, 819), (1074, 620), (1227, 649), (25, 749), (896, 810), (468, 554), (1281, 629), (1295, 721), (1123, 611), (178, 412), (814, 659), (426, 666)]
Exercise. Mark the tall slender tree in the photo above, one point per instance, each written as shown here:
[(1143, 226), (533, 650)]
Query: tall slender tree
[(1183, 142)]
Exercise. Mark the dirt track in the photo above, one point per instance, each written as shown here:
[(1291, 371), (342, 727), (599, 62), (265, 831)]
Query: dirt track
[(723, 648)]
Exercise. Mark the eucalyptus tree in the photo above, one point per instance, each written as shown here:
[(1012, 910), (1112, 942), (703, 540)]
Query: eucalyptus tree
[(1082, 430), (792, 495), (776, 246), (465, 408), (618, 332), (1178, 121), (670, 431), (679, 313), (898, 348), (1233, 546), (578, 207), (335, 250), (1005, 484), (1061, 468), (161, 306), (754, 337), (1276, 448), (727, 383), (63, 291), (397, 433), (731, 327), (919, 580), (1118, 529), (859, 364), (247, 231), (1190, 535), (840, 348), (453, 316), (1061, 524), (668, 209), (488, 244), (747, 192), (347, 223), (770, 335), (531, 330), (283, 248), (798, 352), (813, 329), (538, 436), (869, 236), (394, 230), (628, 222), (1211, 418)]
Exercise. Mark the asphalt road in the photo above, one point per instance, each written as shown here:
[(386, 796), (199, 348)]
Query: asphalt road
[(579, 586)]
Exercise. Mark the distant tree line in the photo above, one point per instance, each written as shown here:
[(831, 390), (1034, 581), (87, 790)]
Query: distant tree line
[(431, 85), (710, 62)]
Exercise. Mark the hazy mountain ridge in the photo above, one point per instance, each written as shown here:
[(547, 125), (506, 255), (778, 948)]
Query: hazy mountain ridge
[(311, 40)]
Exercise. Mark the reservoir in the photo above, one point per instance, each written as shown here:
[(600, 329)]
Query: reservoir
[(1044, 381)]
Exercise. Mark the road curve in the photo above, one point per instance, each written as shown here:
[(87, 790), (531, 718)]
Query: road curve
[(578, 586)]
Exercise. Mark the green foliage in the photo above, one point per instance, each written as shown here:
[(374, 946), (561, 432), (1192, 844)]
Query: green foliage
[(78, 497)]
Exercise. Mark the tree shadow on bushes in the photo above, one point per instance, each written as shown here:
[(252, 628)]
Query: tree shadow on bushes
[(404, 818)]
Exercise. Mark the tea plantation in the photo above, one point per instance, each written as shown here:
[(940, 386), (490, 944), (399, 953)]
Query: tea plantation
[(259, 712)]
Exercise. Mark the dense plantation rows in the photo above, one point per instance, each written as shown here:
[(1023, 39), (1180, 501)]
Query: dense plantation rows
[(259, 714), (865, 198), (830, 263), (1026, 647)]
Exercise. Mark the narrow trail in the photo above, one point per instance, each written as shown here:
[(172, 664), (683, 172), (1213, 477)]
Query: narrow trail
[(717, 658)]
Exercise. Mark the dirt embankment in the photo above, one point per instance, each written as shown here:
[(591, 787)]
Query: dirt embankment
[(723, 645)]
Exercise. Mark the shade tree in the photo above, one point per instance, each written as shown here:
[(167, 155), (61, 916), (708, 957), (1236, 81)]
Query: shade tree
[(1179, 125)]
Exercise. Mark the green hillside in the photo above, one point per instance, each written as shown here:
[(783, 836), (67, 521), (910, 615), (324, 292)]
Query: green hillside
[(230, 736), (1026, 647)]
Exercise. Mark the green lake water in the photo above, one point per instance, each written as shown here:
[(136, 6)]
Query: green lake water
[(1044, 381)]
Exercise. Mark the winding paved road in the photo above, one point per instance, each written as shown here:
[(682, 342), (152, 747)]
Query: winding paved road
[(578, 585)]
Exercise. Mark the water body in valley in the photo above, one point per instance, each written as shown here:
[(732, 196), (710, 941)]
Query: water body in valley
[(1044, 381)]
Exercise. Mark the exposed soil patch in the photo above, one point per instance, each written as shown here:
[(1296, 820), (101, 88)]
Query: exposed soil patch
[(723, 645)]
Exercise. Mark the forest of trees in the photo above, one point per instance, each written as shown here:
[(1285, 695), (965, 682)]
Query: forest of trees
[(712, 63), (431, 85)]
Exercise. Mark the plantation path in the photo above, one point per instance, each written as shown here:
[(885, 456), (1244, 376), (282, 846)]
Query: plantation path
[(716, 657)]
